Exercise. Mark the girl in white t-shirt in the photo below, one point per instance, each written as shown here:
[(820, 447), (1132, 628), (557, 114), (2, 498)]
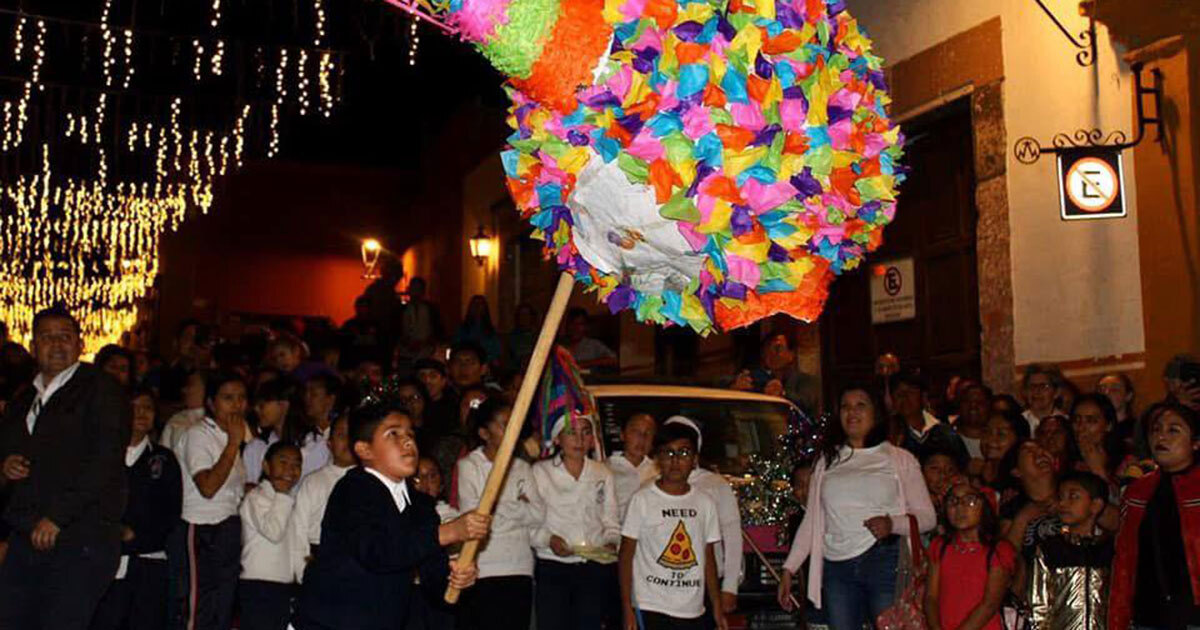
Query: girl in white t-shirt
[(505, 559), (668, 562), (577, 533), (214, 481)]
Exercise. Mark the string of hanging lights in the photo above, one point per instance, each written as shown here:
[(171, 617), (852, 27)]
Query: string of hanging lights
[(93, 172)]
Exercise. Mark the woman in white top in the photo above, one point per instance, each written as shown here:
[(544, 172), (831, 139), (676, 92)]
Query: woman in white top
[(576, 510), (505, 559), (214, 480), (862, 491), (265, 587)]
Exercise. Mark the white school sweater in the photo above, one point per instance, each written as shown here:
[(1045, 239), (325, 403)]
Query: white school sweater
[(506, 550), (304, 530), (580, 511), (729, 550), (265, 554), (629, 478)]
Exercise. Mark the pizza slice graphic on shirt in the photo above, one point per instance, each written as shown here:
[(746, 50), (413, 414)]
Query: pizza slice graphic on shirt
[(678, 554)]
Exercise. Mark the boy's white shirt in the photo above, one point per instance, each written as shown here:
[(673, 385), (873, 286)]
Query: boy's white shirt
[(265, 550), (580, 511), (506, 551), (672, 533), (304, 530), (629, 478)]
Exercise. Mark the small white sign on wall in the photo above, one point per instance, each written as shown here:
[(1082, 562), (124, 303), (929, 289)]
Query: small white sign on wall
[(893, 291)]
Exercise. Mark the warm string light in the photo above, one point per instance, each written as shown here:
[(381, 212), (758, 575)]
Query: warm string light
[(128, 59), (218, 58), (91, 242), (324, 84), (413, 41), (319, 22), (302, 81), (198, 58), (109, 40)]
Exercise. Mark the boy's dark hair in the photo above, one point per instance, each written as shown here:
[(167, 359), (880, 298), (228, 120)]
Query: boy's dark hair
[(332, 384), (960, 458), (625, 422), (112, 350), (471, 347), (1090, 482), (670, 432), (281, 388), (59, 311), (274, 449), (911, 378), (366, 418), (1009, 401), (576, 312), (429, 364), (483, 415), (215, 382)]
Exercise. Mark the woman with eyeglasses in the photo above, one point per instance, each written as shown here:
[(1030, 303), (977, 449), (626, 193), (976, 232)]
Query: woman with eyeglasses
[(861, 494)]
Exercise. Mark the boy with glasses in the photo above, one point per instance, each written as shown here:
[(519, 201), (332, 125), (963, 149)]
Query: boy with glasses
[(667, 559)]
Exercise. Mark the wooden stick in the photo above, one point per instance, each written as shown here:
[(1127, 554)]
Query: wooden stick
[(537, 363), (762, 558)]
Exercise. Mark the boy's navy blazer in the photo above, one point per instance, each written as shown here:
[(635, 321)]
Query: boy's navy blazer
[(362, 575)]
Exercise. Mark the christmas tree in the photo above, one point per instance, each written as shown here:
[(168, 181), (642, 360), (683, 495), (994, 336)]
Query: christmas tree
[(765, 496)]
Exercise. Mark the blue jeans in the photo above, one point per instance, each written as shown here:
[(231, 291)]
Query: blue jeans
[(854, 592)]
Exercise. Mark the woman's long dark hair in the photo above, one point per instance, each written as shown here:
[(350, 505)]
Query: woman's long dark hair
[(1114, 449), (835, 435), (1020, 427)]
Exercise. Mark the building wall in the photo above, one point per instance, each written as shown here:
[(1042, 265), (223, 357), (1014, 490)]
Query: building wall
[(1075, 287), (1170, 224)]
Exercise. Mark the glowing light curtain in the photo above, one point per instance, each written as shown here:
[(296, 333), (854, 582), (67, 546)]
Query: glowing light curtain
[(112, 137)]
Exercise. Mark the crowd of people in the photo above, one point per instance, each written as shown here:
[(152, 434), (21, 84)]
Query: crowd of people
[(1066, 510), (264, 483)]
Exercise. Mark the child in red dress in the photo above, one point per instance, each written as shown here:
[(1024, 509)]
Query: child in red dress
[(978, 565)]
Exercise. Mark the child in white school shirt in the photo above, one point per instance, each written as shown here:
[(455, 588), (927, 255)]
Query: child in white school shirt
[(667, 559), (505, 559), (576, 509), (312, 494), (265, 587)]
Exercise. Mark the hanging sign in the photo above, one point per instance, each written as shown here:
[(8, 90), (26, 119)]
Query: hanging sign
[(893, 291), (1091, 184)]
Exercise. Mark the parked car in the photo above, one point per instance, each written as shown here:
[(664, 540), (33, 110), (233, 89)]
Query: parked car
[(733, 425)]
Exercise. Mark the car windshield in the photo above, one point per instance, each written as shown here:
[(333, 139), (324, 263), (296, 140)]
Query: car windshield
[(732, 429)]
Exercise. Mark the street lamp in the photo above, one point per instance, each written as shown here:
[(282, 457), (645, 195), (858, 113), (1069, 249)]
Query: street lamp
[(370, 258), (481, 246)]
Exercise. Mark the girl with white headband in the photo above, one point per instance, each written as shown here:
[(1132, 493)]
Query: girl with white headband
[(576, 539)]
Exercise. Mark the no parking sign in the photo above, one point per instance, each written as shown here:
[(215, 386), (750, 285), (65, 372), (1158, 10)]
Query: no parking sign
[(1091, 184)]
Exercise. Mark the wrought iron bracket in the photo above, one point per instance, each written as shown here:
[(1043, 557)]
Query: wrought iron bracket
[(1028, 150), (1085, 41)]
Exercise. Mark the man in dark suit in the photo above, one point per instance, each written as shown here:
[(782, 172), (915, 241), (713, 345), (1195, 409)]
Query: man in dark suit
[(62, 448)]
